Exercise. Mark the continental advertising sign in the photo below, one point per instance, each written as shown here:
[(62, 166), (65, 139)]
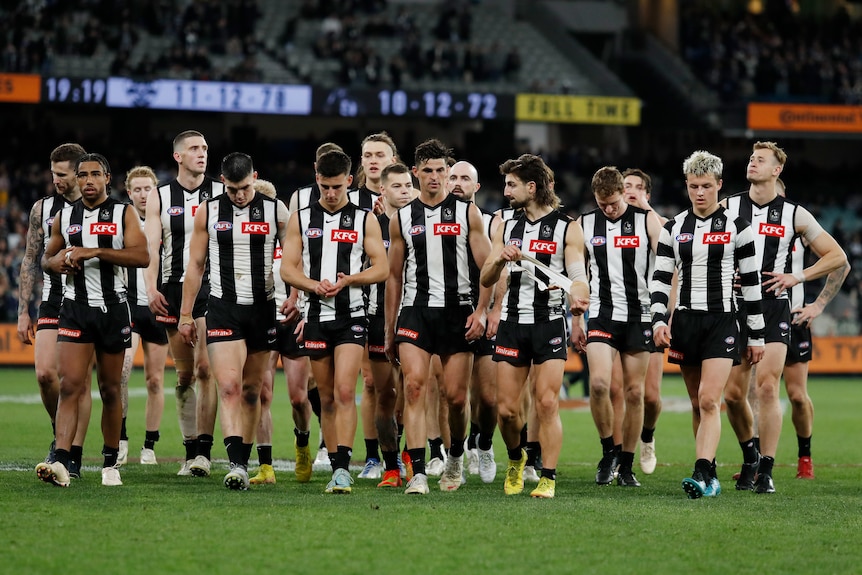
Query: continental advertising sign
[(23, 88), (554, 108), (805, 118), (831, 356)]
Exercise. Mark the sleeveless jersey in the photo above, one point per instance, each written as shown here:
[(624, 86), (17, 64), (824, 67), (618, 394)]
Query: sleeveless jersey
[(137, 288), (97, 283), (619, 257), (487, 218), (333, 243), (436, 271), (545, 239), (52, 284), (177, 208), (362, 197), (241, 246), (377, 292)]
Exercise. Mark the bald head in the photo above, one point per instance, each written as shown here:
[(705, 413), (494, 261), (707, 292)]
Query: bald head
[(463, 180)]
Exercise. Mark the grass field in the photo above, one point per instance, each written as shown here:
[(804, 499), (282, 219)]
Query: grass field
[(160, 523)]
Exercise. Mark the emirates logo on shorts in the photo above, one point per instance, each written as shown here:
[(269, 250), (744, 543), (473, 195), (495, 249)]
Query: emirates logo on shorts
[(376, 349), (219, 332), (166, 318), (599, 333), (673, 354), (408, 333), (64, 331), (48, 321), (315, 345), (506, 351)]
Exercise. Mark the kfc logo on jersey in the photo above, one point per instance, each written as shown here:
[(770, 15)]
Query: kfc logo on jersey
[(175, 211), (684, 238), (716, 238), (74, 229), (255, 228), (277, 254), (543, 247), (447, 229), (194, 210), (506, 351), (103, 229), (598, 241), (345, 236), (313, 233), (223, 226), (627, 242), (417, 230), (773, 230)]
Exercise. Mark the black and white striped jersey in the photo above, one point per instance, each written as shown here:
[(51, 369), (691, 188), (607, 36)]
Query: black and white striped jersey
[(436, 270), (333, 243), (507, 214), (177, 208), (795, 264), (620, 257), (475, 270), (525, 301), (240, 248), (52, 283), (137, 287), (774, 226), (97, 283), (361, 197), (706, 253), (307, 196), (377, 292)]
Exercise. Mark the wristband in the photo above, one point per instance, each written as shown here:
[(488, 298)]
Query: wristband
[(800, 275), (186, 319)]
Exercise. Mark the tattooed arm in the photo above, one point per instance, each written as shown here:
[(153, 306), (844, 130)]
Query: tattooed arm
[(834, 281), (29, 273)]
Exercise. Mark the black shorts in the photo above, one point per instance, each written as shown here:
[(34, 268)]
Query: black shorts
[(173, 293), (376, 338), (49, 315), (437, 331), (321, 338), (144, 324), (286, 340), (108, 327), (523, 344), (776, 318), (485, 346), (801, 347), (696, 336), (231, 322), (623, 337)]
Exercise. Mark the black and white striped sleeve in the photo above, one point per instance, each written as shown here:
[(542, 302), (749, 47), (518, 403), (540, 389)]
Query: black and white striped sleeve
[(660, 286), (749, 279)]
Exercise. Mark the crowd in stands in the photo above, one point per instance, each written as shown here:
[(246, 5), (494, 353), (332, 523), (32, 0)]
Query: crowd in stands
[(775, 54)]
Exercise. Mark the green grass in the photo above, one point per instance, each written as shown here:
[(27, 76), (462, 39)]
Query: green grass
[(160, 523)]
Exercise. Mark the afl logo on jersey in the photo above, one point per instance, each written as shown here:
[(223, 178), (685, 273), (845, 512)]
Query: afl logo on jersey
[(598, 240), (223, 226), (684, 238), (50, 221), (514, 242), (417, 230), (176, 211), (386, 244), (313, 233), (555, 341), (74, 229)]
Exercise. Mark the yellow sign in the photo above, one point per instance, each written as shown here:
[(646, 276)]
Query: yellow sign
[(578, 109)]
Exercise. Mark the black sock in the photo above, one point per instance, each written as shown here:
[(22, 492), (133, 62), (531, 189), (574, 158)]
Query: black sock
[(62, 456), (757, 443), (123, 435), (765, 467), (372, 447), (302, 437), (246, 453), (400, 435), (390, 460), (436, 448), (618, 448), (515, 454), (524, 436), (626, 460), (151, 438), (314, 400), (471, 439), (702, 466), (76, 453), (205, 446), (804, 446), (417, 460), (483, 442), (549, 473), (333, 459), (712, 471), (342, 459), (234, 449), (191, 446), (749, 451), (607, 445), (111, 454), (264, 454), (456, 449), (647, 435), (534, 449)]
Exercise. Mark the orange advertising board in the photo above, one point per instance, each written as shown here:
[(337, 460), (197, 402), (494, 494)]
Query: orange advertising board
[(23, 88), (13, 352), (805, 118)]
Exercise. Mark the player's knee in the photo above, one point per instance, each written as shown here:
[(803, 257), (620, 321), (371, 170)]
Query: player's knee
[(47, 377), (154, 384), (202, 371), (413, 390), (634, 395), (185, 378), (600, 387), (708, 405)]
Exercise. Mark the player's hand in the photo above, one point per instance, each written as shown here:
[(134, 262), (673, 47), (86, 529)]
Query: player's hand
[(806, 314), (475, 326), (661, 336), (189, 333), (578, 338), (26, 332), (493, 324), (754, 353), (299, 332), (390, 348), (157, 302), (510, 253), (379, 206), (289, 311), (777, 283), (579, 305)]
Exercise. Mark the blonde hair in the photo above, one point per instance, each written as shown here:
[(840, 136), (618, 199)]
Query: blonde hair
[(780, 154), (702, 163), (265, 187), (141, 172)]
